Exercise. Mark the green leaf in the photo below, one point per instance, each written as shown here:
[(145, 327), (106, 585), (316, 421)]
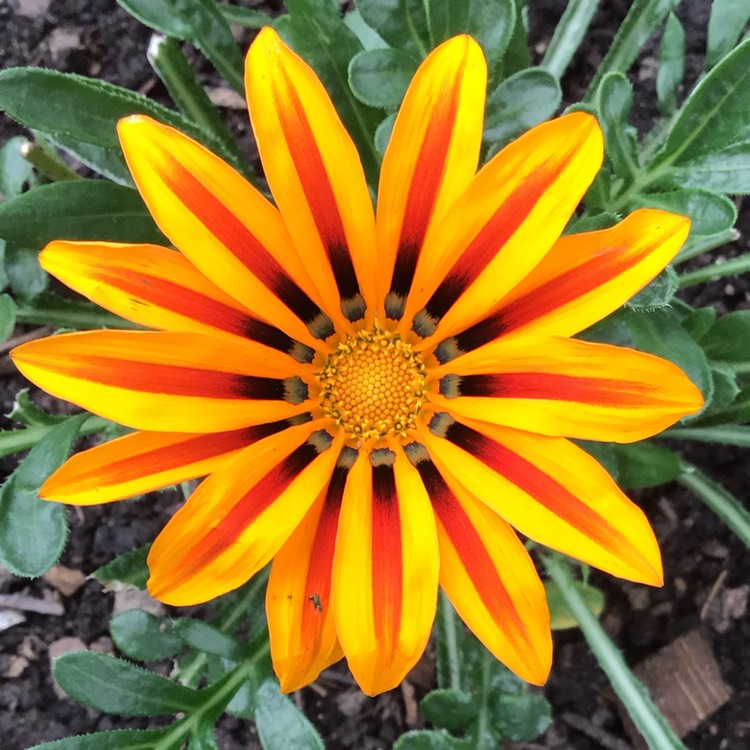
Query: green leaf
[(383, 133), (106, 161), (427, 739), (646, 464), (725, 24), (709, 144), (7, 317), (77, 210), (671, 65), (401, 23), (199, 22), (738, 412), (128, 569), (33, 531), (380, 77), (281, 725), (315, 30), (518, 103), (368, 37), (517, 56), (143, 636), (604, 453), (122, 739), (448, 708), (247, 17), (640, 23), (561, 617), (570, 32), (116, 686), (710, 213), (491, 23), (521, 718), (725, 389), (208, 639), (699, 322), (613, 105), (203, 736), (27, 412), (41, 99), (50, 309), (26, 277), (728, 338), (659, 293), (14, 169)]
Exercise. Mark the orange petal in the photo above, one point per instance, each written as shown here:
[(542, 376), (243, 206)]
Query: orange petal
[(167, 382), (431, 158), (582, 279), (158, 288), (488, 576), (385, 570), (227, 229), (564, 387), (504, 223), (237, 519), (315, 175), (146, 461), (298, 603), (551, 491)]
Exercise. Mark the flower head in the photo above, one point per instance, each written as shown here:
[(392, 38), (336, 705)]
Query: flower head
[(377, 400)]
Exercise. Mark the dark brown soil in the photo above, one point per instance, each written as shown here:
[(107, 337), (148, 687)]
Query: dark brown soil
[(97, 38)]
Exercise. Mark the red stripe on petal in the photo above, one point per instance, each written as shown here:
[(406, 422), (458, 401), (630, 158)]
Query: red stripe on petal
[(387, 562), (316, 186), (544, 385)]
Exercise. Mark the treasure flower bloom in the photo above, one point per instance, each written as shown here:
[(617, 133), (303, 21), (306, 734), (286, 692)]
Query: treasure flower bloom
[(377, 398)]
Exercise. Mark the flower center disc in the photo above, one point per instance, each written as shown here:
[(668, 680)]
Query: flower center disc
[(373, 385)]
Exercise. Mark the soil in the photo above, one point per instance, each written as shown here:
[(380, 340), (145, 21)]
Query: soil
[(703, 558)]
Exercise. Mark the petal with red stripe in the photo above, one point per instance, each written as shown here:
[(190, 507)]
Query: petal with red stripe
[(385, 570), (298, 602), (564, 387), (167, 382), (158, 288), (431, 157), (239, 517), (551, 491), (582, 279), (504, 223), (488, 575), (146, 461), (227, 229), (314, 172)]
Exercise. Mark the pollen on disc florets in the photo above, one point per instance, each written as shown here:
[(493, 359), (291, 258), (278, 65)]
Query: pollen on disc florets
[(373, 385)]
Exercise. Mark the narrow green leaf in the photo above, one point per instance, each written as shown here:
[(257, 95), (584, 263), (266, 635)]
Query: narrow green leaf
[(646, 464), (128, 569), (104, 160), (671, 65), (521, 718), (517, 55), (518, 103), (77, 210), (447, 708), (380, 77), (561, 618), (491, 23), (247, 17), (143, 636), (713, 271), (208, 639), (613, 104), (738, 435), (659, 293), (569, 34), (7, 316), (116, 686), (639, 24), (729, 337), (27, 412), (725, 24), (710, 213), (368, 37), (14, 169), (709, 144), (645, 715), (50, 309), (15, 441), (401, 23), (281, 725), (118, 739), (199, 22), (697, 245)]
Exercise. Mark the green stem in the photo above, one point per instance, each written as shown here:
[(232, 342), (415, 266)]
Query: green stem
[(726, 506), (47, 163), (645, 715), (71, 315), (167, 59), (15, 441), (569, 33), (483, 713), (698, 245), (449, 623), (726, 434), (740, 264)]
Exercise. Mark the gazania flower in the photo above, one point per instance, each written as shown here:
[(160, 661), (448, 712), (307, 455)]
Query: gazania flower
[(376, 400)]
